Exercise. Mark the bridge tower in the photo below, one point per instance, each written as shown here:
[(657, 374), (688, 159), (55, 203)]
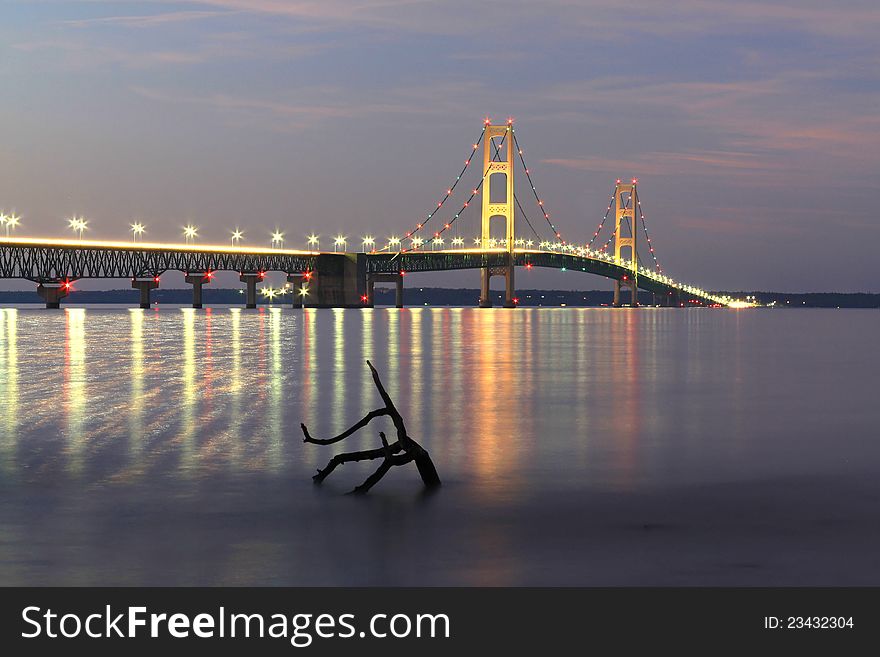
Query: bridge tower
[(504, 209), (626, 198)]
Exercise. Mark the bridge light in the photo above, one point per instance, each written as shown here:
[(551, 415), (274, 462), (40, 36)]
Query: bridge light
[(303, 291), (457, 241), (393, 241), (278, 238), (340, 240), (369, 243), (477, 241), (236, 236), (190, 233), (10, 221), (314, 243), (77, 224), (137, 229), (364, 298), (307, 275), (635, 182)]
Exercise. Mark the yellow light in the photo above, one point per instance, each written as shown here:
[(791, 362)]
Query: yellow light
[(154, 246), (190, 231)]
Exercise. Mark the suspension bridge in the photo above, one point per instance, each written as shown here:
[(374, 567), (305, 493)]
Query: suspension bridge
[(346, 279)]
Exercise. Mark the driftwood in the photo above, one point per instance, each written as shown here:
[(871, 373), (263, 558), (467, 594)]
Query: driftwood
[(402, 451)]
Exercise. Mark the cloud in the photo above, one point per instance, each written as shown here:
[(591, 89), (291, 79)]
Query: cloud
[(674, 163), (601, 17), (280, 115), (147, 21)]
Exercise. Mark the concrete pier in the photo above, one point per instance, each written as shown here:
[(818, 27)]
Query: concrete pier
[(397, 279), (338, 281), (53, 293), (251, 279), (486, 274), (145, 285), (298, 282), (197, 279)]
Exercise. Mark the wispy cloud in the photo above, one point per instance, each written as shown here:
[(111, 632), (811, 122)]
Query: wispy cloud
[(149, 20), (282, 115), (673, 17), (675, 163)]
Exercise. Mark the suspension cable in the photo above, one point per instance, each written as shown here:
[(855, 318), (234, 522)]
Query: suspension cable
[(448, 194), (534, 190), (607, 211), (648, 237), (467, 203)]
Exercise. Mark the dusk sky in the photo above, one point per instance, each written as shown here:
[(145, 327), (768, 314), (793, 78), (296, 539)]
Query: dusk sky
[(753, 127)]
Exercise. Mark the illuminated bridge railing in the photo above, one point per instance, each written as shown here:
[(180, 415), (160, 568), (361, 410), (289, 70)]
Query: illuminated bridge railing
[(54, 260), (595, 263)]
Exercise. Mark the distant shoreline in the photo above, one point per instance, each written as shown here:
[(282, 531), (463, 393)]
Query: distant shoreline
[(438, 296)]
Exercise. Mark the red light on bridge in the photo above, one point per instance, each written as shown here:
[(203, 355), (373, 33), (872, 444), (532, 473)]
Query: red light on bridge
[(635, 181), (364, 298), (528, 265), (402, 273), (155, 279), (307, 275), (261, 274), (516, 300), (617, 182), (209, 275)]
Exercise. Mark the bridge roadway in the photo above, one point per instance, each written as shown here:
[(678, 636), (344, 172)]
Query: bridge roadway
[(331, 279)]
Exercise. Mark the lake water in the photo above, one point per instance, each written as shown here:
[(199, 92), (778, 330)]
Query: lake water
[(576, 446)]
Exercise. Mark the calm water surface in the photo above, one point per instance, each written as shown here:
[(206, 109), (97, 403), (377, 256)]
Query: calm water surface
[(577, 446)]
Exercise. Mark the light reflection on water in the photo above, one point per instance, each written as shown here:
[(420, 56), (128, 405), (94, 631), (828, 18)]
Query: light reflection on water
[(118, 423)]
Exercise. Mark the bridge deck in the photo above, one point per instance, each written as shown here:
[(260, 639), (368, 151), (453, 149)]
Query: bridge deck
[(53, 260)]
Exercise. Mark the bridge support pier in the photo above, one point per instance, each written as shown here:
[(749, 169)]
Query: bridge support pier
[(622, 284), (338, 281), (397, 279), (53, 293), (250, 279), (298, 282), (486, 274), (145, 285), (197, 280)]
